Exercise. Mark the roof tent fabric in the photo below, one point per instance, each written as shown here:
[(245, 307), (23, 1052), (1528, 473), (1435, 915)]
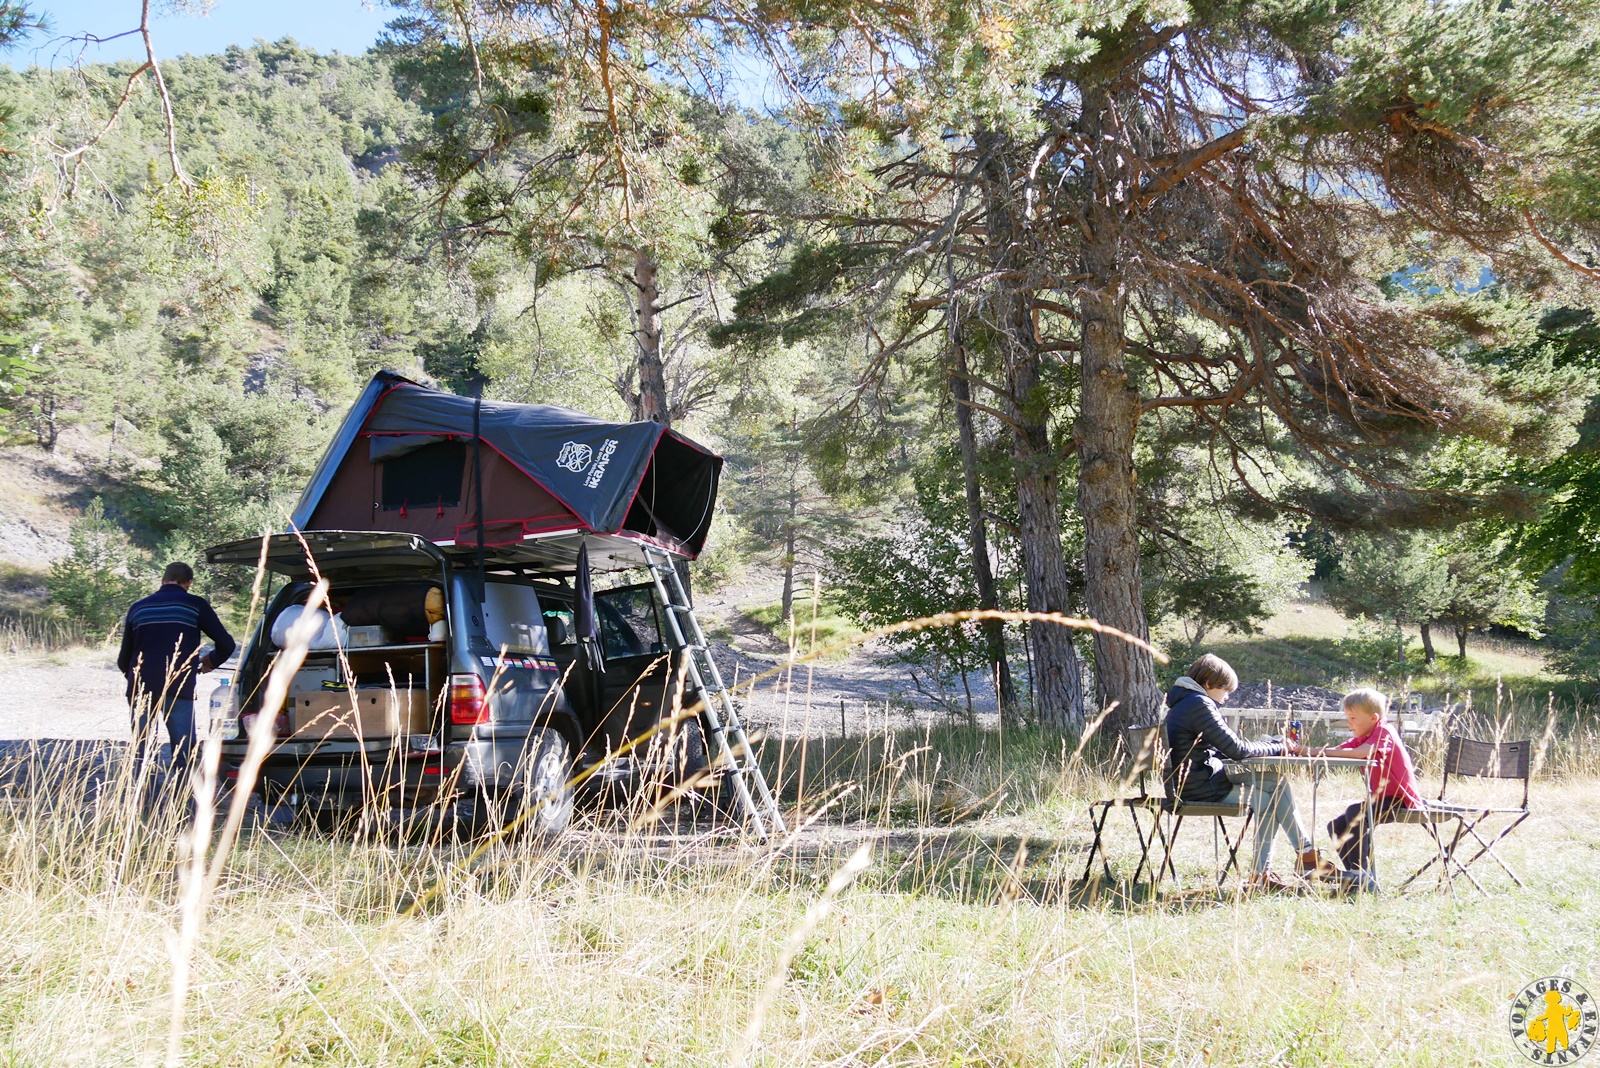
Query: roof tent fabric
[(552, 468)]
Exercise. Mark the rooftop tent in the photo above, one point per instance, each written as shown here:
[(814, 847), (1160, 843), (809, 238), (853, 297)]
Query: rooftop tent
[(552, 478)]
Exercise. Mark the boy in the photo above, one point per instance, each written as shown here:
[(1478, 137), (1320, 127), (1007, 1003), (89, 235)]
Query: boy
[(1391, 781)]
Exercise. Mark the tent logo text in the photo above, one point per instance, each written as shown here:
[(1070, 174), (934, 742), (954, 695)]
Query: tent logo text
[(598, 472), (575, 457)]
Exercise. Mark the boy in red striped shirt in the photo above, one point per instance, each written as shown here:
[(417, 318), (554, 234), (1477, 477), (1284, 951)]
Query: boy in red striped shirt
[(1391, 781)]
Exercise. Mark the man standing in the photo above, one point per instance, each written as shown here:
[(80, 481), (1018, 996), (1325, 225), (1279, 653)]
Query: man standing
[(160, 657)]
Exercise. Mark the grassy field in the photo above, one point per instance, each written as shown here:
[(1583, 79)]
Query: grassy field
[(927, 914), (824, 615), (1308, 643)]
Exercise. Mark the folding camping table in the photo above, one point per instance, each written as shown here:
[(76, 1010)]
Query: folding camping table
[(1319, 766)]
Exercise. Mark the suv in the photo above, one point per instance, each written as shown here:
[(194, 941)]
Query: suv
[(468, 696)]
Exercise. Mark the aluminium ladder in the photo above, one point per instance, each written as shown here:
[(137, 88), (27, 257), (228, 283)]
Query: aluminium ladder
[(729, 742)]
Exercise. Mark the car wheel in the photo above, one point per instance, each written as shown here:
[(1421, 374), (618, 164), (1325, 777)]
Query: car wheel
[(546, 793), (689, 755)]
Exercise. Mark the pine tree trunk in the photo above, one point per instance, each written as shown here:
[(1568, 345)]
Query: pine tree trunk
[(983, 576), (1428, 655), (787, 605), (1109, 408), (1461, 642), (651, 402), (1057, 679)]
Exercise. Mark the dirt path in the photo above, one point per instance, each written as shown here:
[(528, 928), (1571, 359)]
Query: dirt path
[(78, 694), (75, 694)]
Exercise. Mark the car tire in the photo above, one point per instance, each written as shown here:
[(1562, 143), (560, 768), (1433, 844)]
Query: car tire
[(689, 752), (545, 795)]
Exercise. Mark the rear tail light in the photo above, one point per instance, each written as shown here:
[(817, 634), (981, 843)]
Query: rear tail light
[(469, 704)]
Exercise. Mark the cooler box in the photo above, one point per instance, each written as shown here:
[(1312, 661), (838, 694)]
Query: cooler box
[(378, 713), (367, 637)]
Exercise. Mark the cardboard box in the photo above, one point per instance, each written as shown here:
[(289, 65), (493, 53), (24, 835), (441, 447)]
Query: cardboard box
[(315, 715)]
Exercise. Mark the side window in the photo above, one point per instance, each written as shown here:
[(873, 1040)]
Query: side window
[(512, 619), (431, 475), (629, 625)]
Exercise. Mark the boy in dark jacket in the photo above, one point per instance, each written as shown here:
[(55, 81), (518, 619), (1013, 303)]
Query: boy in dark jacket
[(1199, 742), (160, 656)]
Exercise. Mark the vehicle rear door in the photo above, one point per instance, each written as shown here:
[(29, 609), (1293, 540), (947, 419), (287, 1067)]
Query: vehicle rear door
[(638, 680)]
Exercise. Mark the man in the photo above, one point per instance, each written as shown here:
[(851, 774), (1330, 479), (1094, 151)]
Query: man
[(160, 657)]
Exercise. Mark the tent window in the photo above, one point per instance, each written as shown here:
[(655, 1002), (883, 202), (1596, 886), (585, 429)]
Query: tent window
[(424, 477)]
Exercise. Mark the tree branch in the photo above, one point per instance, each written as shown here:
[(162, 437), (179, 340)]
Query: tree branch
[(166, 98), (1555, 250), (1186, 163)]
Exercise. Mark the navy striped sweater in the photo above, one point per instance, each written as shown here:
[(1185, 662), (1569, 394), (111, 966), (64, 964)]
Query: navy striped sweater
[(161, 640)]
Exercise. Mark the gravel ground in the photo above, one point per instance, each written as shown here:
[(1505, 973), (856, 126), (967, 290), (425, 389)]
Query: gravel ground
[(77, 694), (1304, 698)]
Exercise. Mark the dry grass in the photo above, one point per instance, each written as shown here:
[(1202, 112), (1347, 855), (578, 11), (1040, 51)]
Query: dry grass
[(961, 944)]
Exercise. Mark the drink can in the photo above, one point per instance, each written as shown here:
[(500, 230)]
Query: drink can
[(1294, 731)]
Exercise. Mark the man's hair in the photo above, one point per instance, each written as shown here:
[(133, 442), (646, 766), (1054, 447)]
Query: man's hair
[(1214, 673), (1372, 702), (178, 572)]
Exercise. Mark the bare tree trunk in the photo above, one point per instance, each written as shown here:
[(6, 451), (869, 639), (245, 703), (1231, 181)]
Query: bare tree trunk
[(651, 400), (1059, 683), (983, 576), (789, 549), (1461, 642), (1109, 408), (1057, 680), (1428, 655)]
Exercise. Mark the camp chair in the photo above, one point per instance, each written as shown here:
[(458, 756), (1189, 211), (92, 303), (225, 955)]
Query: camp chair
[(1143, 748), (1218, 812), (1485, 760)]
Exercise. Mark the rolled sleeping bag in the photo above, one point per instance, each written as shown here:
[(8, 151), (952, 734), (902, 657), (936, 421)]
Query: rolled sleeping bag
[(330, 634), (405, 608)]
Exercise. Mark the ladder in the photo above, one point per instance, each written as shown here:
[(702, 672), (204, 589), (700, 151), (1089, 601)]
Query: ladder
[(729, 744)]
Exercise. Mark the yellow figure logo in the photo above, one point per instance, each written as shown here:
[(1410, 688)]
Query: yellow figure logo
[(1554, 1021), (1554, 1024)]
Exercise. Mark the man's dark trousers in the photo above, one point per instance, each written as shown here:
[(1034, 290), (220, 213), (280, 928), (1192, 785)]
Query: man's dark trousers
[(160, 654), (177, 714)]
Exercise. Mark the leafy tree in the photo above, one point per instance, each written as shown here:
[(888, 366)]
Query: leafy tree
[(232, 465), (1398, 577), (565, 131), (1487, 592), (1572, 627), (920, 566), (1215, 598), (96, 581), (1565, 531)]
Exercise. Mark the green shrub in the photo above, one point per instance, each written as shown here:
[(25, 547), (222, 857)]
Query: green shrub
[(94, 583)]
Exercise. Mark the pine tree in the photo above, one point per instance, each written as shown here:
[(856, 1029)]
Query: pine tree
[(1398, 577), (1192, 206)]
